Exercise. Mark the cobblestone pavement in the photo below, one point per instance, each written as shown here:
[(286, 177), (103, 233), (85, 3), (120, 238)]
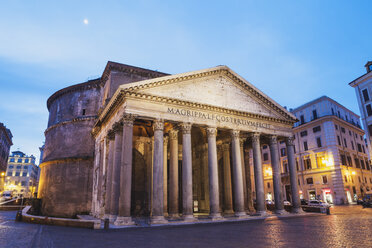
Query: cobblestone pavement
[(347, 226)]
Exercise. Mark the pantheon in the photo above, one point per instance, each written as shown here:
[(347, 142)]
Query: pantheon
[(141, 143)]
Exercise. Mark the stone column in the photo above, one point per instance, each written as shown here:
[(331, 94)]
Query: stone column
[(277, 181), (111, 139), (237, 174), (158, 165), (244, 174), (115, 183), (187, 199), (173, 174), (227, 180), (296, 202), (165, 176), (214, 201), (248, 178), (124, 217), (258, 175)]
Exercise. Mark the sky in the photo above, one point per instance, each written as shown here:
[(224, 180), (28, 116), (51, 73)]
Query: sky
[(293, 51)]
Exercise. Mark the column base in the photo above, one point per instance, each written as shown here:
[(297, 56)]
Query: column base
[(189, 218), (260, 213), (124, 221), (297, 210), (228, 212), (174, 216), (158, 220), (280, 211), (215, 216), (112, 217), (240, 214)]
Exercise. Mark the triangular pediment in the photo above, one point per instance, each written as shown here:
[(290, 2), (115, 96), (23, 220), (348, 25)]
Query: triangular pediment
[(219, 87)]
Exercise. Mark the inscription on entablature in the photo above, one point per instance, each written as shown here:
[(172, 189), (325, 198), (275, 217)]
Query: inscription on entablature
[(217, 117)]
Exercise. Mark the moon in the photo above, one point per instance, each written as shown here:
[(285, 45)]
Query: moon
[(85, 21)]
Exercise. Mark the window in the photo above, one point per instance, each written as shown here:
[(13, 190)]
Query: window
[(336, 127), (357, 165), (369, 109), (309, 180), (345, 143), (315, 115), (316, 129), (83, 111), (19, 160), (349, 132), (367, 165), (19, 166), (364, 150), (319, 142), (25, 167), (10, 174), (303, 133), (365, 95), (302, 119), (359, 147), (26, 160), (361, 138), (325, 180), (339, 140), (283, 152), (359, 179), (338, 113), (12, 160), (343, 159), (297, 165), (11, 166), (333, 112), (264, 147), (17, 174), (307, 163), (268, 185), (362, 164), (365, 179), (342, 129), (24, 174), (349, 163), (352, 145), (299, 182), (23, 183), (305, 146), (265, 156), (345, 177)]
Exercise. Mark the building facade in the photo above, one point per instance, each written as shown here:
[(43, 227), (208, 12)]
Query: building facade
[(331, 155), (363, 90), (21, 175), (164, 146), (5, 144)]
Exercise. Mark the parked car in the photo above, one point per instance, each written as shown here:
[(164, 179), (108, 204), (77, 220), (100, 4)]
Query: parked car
[(360, 201), (304, 202), (318, 203), (6, 195), (270, 202), (286, 203), (367, 204)]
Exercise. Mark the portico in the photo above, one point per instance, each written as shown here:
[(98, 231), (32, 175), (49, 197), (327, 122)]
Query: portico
[(177, 145)]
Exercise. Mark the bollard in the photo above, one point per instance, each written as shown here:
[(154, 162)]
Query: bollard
[(328, 211), (106, 224), (19, 216)]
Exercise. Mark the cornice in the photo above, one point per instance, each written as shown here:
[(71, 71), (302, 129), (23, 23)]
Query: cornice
[(119, 97), (78, 119)]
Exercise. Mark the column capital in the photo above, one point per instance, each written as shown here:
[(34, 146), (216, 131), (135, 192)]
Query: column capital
[(117, 127), (165, 140), (273, 139), (186, 127), (173, 134), (255, 137), (158, 125), (289, 141), (241, 140), (128, 120), (235, 134), (211, 131), (111, 134)]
